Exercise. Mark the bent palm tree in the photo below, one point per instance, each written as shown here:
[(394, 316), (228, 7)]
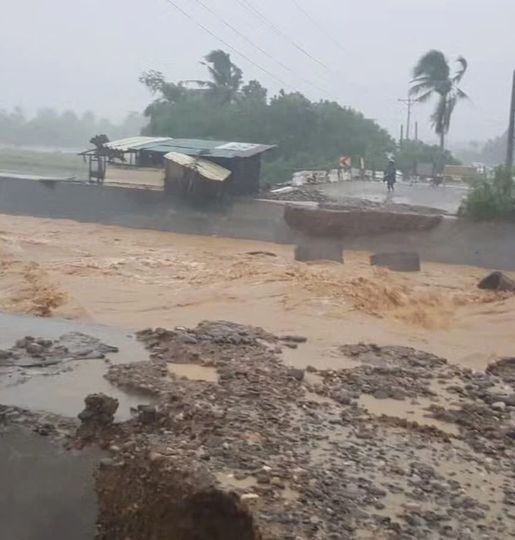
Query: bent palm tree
[(432, 75), (226, 76)]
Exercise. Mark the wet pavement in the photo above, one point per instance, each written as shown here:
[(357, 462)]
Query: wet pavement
[(62, 391), (47, 493), (446, 198)]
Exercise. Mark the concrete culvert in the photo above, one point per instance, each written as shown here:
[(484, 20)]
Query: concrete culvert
[(158, 498)]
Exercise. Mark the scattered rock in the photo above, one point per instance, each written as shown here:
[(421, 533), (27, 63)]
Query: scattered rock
[(100, 409), (498, 406), (497, 281), (297, 374)]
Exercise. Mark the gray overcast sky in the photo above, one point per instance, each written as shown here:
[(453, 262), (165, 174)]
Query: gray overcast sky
[(88, 54)]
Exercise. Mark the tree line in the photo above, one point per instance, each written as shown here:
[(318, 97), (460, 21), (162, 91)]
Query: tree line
[(309, 135), (67, 129)]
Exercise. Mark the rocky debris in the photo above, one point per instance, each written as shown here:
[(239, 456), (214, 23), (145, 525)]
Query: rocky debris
[(303, 453), (354, 203), (497, 281), (147, 414), (276, 452), (503, 368), (31, 351), (100, 410), (399, 261), (298, 194), (392, 356)]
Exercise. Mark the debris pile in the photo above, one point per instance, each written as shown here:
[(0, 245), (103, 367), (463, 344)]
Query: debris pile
[(306, 451)]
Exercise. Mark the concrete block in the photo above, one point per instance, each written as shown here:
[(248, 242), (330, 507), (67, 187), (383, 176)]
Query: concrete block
[(398, 261), (318, 249)]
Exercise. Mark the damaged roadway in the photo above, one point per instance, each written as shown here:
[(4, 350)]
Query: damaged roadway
[(237, 444)]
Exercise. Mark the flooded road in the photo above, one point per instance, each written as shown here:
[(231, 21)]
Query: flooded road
[(47, 493)]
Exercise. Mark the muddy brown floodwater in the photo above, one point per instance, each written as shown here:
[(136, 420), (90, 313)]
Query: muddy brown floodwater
[(137, 278)]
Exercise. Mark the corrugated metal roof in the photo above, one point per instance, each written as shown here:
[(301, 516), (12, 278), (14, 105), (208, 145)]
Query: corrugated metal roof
[(207, 169), (190, 147), (135, 143)]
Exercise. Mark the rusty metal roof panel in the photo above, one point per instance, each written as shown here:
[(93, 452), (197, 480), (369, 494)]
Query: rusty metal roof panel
[(207, 169)]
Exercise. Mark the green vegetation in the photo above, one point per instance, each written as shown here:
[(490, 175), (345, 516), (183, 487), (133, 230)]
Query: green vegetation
[(491, 200), (413, 153), (66, 130), (432, 76), (309, 135)]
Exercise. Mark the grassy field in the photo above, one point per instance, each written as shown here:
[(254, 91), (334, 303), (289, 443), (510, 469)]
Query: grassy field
[(55, 163)]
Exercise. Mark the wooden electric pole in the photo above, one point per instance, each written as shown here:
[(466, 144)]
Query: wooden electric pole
[(511, 129)]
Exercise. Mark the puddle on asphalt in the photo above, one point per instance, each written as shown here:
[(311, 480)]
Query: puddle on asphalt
[(406, 410), (194, 372), (63, 392), (318, 356)]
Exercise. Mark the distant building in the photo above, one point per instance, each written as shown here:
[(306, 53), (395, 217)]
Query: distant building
[(141, 160)]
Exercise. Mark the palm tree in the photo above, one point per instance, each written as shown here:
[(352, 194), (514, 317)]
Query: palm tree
[(432, 75), (226, 77)]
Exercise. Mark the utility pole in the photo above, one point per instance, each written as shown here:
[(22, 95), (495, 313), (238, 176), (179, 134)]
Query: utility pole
[(402, 135), (416, 131), (511, 130), (409, 103)]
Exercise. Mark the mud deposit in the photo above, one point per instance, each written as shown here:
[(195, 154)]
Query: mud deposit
[(284, 453)]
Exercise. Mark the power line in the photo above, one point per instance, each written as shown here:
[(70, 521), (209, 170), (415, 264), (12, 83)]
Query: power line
[(256, 46), (285, 36), (228, 45), (246, 4), (319, 25)]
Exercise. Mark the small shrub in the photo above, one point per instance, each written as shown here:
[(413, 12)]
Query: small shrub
[(491, 200)]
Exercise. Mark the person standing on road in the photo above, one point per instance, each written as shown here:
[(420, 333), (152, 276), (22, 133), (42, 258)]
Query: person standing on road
[(390, 174)]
